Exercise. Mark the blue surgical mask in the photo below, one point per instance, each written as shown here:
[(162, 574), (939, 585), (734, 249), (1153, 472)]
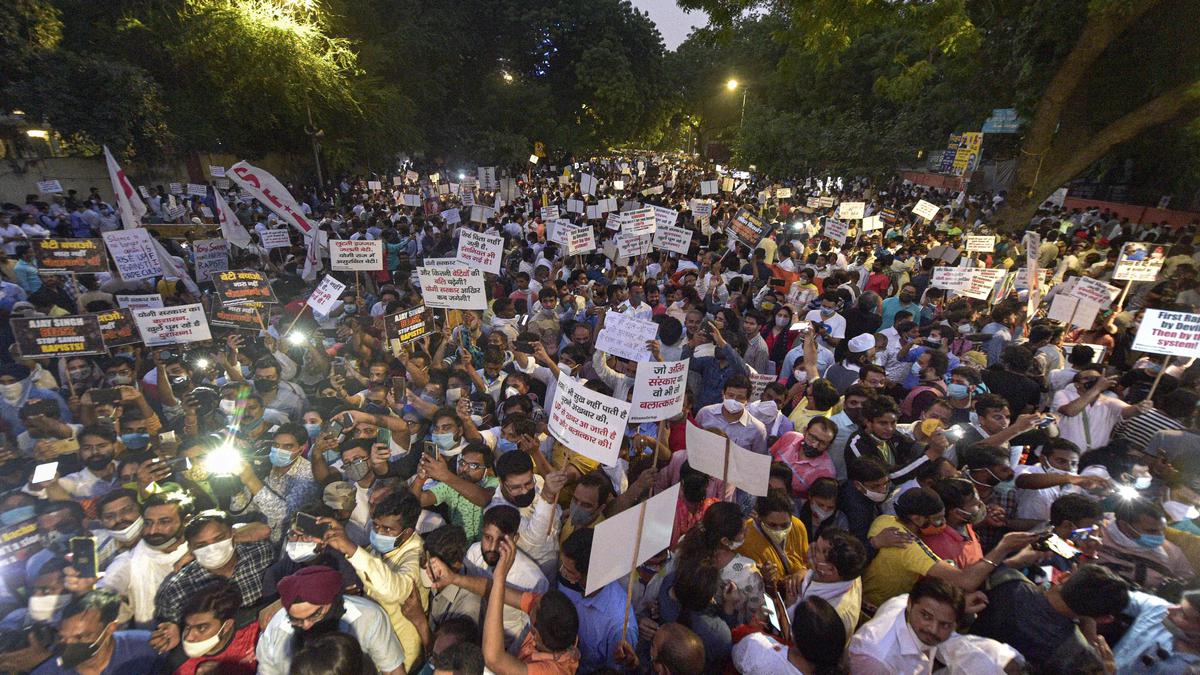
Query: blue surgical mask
[(957, 391), (281, 458), (827, 312), (916, 369), (504, 445), (381, 543), (16, 515), (135, 440), (313, 430), (1150, 540), (444, 441)]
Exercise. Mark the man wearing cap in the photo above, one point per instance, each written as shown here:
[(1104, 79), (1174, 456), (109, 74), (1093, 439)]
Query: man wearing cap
[(860, 350), (313, 606)]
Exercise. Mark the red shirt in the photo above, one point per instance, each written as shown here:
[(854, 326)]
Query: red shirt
[(952, 546), (805, 470), (879, 283)]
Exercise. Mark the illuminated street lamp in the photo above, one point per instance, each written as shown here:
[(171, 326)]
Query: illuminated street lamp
[(733, 85)]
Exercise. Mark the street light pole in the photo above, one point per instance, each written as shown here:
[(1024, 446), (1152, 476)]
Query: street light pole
[(742, 121), (314, 133)]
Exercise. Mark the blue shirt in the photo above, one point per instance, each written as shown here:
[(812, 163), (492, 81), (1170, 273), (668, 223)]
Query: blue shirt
[(892, 305), (131, 654), (600, 619), (27, 276), (1148, 647), (712, 375), (1001, 336), (11, 414)]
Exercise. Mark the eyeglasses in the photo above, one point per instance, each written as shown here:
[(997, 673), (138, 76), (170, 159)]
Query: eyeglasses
[(313, 618), (470, 466)]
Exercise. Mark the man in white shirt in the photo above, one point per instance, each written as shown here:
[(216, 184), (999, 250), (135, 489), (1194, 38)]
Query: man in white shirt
[(525, 575), (905, 634), (1086, 415), (827, 314), (535, 499)]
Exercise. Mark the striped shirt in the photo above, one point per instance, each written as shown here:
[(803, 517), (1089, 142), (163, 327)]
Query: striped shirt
[(1139, 429)]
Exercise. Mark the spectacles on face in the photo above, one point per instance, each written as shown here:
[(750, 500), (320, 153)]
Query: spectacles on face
[(309, 620), (469, 466)]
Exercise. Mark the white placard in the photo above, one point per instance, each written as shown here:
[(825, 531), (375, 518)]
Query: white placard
[(747, 470), (411, 199), (615, 552), (593, 212), (664, 217), (467, 198), (587, 184), (615, 220), (981, 243), (708, 187), (480, 250), (356, 254), (374, 185), (575, 206), (626, 337), (549, 213), (481, 214), (533, 159), (172, 325), (607, 205), (328, 292), (139, 300), (969, 281), (658, 390), (1096, 291), (1140, 261), (618, 185), (580, 239), (197, 190), (851, 210), (701, 208), (49, 186), (1073, 311), (758, 384), (629, 246), (212, 255), (836, 229), (454, 287), (639, 221), (280, 238), (587, 422), (872, 223), (134, 253), (412, 176), (175, 188), (925, 210), (451, 216), (674, 239), (1174, 333)]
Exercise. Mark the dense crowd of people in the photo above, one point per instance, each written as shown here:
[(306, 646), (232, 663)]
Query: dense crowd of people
[(956, 484)]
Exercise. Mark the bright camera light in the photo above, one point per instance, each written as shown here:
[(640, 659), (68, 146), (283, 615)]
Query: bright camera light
[(203, 364), (297, 337), (1127, 492), (224, 460)]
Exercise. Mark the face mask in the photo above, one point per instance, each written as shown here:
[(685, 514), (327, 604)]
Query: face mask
[(431, 399), (331, 456), (129, 533), (97, 462), (1142, 482), (564, 367), (119, 380), (301, 551), (228, 407), (906, 298), (135, 441), (580, 516), (810, 451), (1150, 540), (452, 395), (733, 407), (800, 374), (1055, 470), (957, 391), (877, 497), (350, 309), (79, 375), (819, 514), (827, 312), (765, 409), (16, 515), (215, 555), (782, 321), (265, 386), (735, 545), (356, 470), (180, 382), (916, 369), (477, 420), (71, 655), (43, 607), (777, 537), (965, 329), (313, 430), (444, 442), (381, 543), (197, 649), (509, 392), (160, 542), (281, 458), (504, 445), (11, 392), (521, 501)]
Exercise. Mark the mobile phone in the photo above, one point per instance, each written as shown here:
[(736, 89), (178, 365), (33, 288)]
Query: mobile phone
[(776, 281), (478, 408), (430, 448), (524, 346), (179, 463), (399, 387), (802, 326), (106, 396), (83, 556), (44, 472), (308, 525), (772, 617), (1056, 544), (334, 427)]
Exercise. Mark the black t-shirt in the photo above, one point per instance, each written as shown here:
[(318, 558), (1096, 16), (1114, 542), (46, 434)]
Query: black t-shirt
[(1019, 615), (1018, 390), (859, 322)]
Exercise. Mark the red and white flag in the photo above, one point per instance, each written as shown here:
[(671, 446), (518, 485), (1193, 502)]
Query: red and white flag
[(129, 204), (267, 189), (312, 258), (231, 228)]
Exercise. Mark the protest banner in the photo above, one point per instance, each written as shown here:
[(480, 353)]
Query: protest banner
[(747, 228), (626, 337), (356, 254), (593, 212), (701, 208), (212, 255), (18, 542), (783, 193), (267, 189), (925, 210), (172, 325), (404, 327), (827, 202), (451, 216), (49, 337), (629, 246), (639, 222), (981, 244), (1073, 311), (134, 254), (708, 187), (117, 328), (49, 186), (280, 238), (455, 287), (76, 256), (658, 390), (139, 300), (216, 171), (758, 384), (872, 223), (1172, 333), (326, 296), (549, 213), (411, 199), (836, 230), (1094, 290), (969, 281), (851, 210), (587, 184), (197, 190), (1140, 261), (656, 190), (481, 214), (241, 286), (727, 461), (587, 422), (674, 239), (623, 542), (580, 239), (480, 250), (813, 202), (246, 316), (575, 206), (175, 188), (664, 217), (614, 221)]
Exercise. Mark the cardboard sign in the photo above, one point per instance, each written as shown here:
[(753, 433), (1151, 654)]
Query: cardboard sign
[(658, 390), (411, 199), (629, 246), (172, 325), (616, 547), (212, 255), (701, 208), (721, 458), (216, 171), (247, 316), (615, 221), (639, 221), (451, 216), (50, 337), (969, 281), (708, 187), (455, 287), (117, 328), (549, 213), (664, 217), (374, 185), (404, 327), (575, 206), (77, 256), (481, 250), (580, 239), (356, 254), (175, 188), (851, 210), (197, 190), (1073, 311), (49, 186), (925, 210), (481, 214), (1094, 290), (242, 286), (587, 184), (836, 230), (326, 296), (747, 228), (872, 223), (1140, 261), (280, 238), (134, 253), (587, 422), (139, 300), (981, 244), (1174, 333), (626, 337), (674, 239)]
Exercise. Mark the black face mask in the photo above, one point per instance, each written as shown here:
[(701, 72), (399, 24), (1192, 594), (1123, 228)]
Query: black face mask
[(265, 386), (325, 626), (75, 653), (521, 501), (181, 382), (810, 451), (97, 462), (563, 583)]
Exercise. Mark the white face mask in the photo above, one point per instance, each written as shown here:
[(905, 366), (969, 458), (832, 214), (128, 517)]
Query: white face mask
[(733, 406), (765, 409), (452, 395), (215, 555), (227, 406), (509, 392), (564, 367), (129, 533), (819, 514), (43, 607), (301, 551), (11, 392), (202, 647)]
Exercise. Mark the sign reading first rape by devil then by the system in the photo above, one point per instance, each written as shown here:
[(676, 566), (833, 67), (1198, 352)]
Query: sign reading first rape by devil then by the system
[(48, 337), (1171, 333)]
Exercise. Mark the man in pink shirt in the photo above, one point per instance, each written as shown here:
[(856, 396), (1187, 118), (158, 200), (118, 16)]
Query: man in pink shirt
[(807, 454)]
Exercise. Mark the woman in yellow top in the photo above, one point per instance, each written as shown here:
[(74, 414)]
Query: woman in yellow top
[(775, 538)]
